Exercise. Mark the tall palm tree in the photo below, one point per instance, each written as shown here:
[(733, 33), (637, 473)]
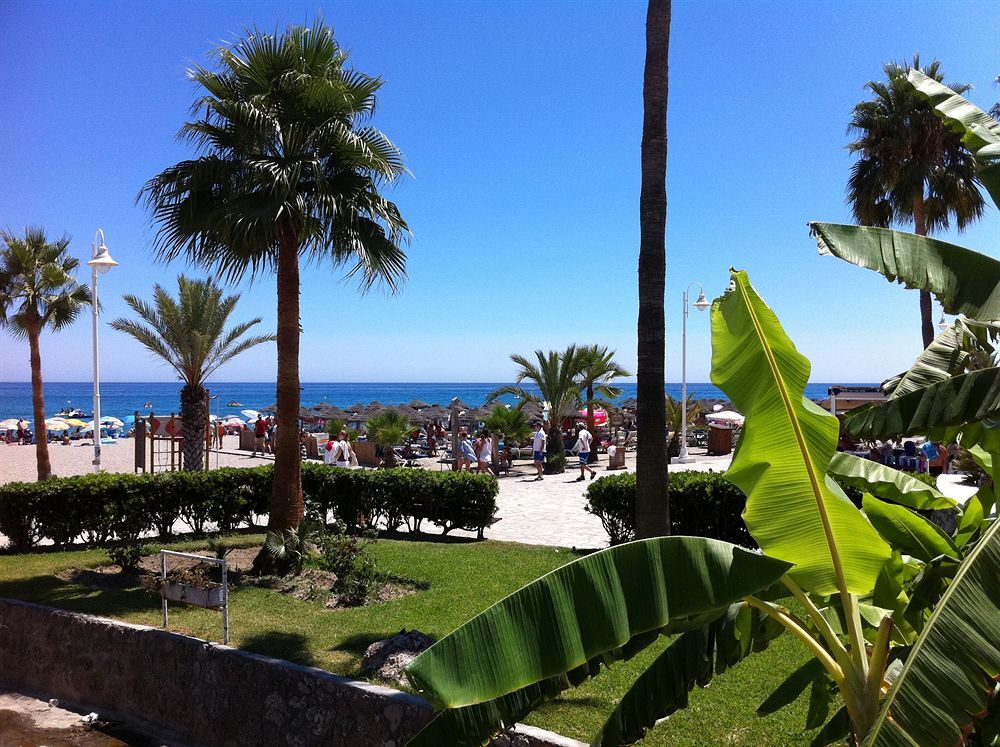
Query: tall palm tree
[(190, 334), (38, 291), (652, 510), (911, 166), (556, 376), (599, 369), (287, 166), (388, 429)]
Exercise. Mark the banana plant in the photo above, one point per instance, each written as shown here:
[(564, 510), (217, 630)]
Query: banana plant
[(870, 585)]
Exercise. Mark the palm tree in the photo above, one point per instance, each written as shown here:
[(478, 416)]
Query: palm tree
[(599, 370), (911, 165), (387, 429), (190, 334), (509, 423), (38, 291), (287, 166), (674, 410), (556, 376), (652, 510)]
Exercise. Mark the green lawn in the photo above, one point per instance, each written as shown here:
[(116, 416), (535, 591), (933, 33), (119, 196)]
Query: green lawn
[(464, 579)]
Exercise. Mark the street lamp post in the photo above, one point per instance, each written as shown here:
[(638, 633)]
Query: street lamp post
[(100, 263), (701, 304)]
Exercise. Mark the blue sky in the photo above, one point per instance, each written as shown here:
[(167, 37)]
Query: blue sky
[(521, 125)]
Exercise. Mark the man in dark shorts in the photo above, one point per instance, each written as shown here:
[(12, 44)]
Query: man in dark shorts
[(259, 431), (538, 448), (583, 445)]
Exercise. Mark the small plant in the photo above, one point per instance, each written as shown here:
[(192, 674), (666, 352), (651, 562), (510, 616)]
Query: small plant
[(292, 547), (347, 556), (127, 554), (217, 546)]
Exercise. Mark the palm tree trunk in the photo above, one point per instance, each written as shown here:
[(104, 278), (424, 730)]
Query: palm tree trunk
[(38, 402), (555, 449), (194, 413), (285, 509), (652, 509), (926, 309)]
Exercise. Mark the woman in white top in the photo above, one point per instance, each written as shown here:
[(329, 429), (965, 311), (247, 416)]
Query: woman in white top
[(485, 453), (343, 450)]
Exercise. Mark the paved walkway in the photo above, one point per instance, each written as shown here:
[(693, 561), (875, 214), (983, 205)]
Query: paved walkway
[(553, 511)]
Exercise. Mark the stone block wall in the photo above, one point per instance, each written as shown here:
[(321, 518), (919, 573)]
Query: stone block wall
[(211, 694)]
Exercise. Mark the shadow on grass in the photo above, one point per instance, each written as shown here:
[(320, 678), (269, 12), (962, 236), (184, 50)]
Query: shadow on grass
[(76, 598), (358, 643), (289, 646), (444, 539)]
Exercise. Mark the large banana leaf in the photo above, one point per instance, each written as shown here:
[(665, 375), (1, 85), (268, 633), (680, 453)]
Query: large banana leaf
[(662, 689), (980, 132), (793, 509), (886, 483), (907, 531), (944, 357), (964, 281), (958, 401), (588, 608), (947, 676)]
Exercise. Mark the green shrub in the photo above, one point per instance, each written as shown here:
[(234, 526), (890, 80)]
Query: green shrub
[(347, 556), (112, 510), (703, 504)]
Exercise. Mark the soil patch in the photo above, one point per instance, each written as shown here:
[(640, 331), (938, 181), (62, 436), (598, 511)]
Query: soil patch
[(313, 585)]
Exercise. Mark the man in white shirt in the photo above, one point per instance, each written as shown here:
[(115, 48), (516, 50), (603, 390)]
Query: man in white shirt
[(582, 448), (538, 448)]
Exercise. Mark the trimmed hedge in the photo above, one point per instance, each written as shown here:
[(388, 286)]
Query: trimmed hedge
[(702, 504), (113, 509)]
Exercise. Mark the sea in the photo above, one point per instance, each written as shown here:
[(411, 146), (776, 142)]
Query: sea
[(120, 398)]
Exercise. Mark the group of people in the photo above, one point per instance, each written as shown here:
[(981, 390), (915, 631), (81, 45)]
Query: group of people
[(339, 452), (480, 451), (263, 435), (930, 457)]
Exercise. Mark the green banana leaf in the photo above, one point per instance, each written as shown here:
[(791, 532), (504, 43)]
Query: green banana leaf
[(964, 281), (589, 608), (907, 531), (958, 401), (980, 132), (886, 483), (794, 510), (662, 689), (944, 357), (947, 676)]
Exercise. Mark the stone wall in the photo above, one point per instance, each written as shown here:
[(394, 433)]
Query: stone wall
[(209, 693)]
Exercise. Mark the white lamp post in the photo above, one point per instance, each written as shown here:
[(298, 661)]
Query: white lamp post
[(701, 304), (100, 262)]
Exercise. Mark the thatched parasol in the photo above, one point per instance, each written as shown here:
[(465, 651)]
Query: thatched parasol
[(418, 405)]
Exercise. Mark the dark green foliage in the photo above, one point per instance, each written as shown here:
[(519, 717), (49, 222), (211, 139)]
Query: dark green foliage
[(349, 558), (115, 509), (701, 504)]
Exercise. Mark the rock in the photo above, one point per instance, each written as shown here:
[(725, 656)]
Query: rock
[(387, 659)]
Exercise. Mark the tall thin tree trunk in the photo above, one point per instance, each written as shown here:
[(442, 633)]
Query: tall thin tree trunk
[(285, 509), (926, 309), (652, 508), (38, 402), (194, 413), (555, 449)]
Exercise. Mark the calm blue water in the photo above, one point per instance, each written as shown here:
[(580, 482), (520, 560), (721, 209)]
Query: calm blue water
[(123, 398)]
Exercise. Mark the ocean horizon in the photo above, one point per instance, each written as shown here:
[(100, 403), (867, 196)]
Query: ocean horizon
[(124, 398)]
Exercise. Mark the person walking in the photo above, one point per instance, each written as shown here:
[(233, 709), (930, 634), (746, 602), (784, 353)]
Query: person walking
[(583, 443), (259, 432), (538, 448), (484, 451), (467, 453), (269, 434)]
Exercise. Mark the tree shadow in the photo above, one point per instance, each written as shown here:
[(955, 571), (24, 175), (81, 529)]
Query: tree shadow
[(76, 598), (291, 647), (358, 643)]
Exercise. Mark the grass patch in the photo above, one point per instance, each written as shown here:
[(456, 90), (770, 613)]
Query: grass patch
[(463, 579)]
